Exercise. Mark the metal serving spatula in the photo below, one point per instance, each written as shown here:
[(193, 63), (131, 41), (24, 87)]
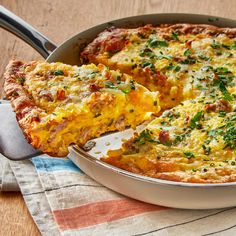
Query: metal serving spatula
[(13, 145)]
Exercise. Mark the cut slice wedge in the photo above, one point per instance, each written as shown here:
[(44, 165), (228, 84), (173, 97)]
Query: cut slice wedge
[(57, 105)]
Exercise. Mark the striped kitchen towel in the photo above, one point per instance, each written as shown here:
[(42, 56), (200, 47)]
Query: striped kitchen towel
[(64, 201), (7, 179)]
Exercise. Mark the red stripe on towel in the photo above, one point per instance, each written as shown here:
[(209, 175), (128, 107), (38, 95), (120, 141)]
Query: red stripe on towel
[(100, 212)]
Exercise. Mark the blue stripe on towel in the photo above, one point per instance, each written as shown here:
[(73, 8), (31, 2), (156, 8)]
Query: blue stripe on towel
[(50, 164)]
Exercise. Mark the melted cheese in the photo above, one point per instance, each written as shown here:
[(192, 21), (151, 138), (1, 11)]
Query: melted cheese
[(75, 103)]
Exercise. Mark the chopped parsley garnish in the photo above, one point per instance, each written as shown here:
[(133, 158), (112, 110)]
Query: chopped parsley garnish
[(58, 72), (118, 79), (175, 36), (189, 155), (206, 149), (148, 64), (160, 57), (147, 52), (112, 52), (132, 85), (212, 133), (145, 136), (125, 91), (15, 93), (174, 68), (224, 91), (109, 84), (224, 78), (21, 80), (216, 45), (230, 137), (201, 88), (188, 61), (194, 121), (187, 52), (180, 137), (222, 113), (202, 57), (233, 46), (153, 42)]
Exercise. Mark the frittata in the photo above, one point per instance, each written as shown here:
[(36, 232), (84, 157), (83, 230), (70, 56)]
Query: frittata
[(193, 67), (57, 105)]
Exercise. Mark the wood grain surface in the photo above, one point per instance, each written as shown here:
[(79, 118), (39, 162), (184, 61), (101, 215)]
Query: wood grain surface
[(59, 20)]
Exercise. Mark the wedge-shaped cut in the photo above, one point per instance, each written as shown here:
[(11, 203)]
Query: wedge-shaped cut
[(172, 59), (57, 105), (193, 142)]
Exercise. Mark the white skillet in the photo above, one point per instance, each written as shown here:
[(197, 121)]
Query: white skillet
[(161, 192)]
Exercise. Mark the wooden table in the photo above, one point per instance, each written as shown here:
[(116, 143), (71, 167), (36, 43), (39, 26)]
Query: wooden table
[(59, 20)]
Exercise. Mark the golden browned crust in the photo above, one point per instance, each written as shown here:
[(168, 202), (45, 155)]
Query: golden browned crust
[(20, 100), (161, 170), (114, 39), (111, 39)]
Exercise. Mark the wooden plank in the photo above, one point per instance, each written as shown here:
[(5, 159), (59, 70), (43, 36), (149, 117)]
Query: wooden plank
[(15, 218), (59, 20)]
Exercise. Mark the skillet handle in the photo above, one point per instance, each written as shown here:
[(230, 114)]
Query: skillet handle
[(23, 30)]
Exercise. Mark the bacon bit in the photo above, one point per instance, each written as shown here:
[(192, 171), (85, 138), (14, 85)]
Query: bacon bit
[(189, 43), (107, 74), (186, 120), (115, 43), (224, 105), (94, 87), (178, 59), (35, 118), (161, 77), (164, 136), (24, 110), (220, 105), (147, 70), (120, 122), (210, 107), (61, 94), (145, 31), (48, 96), (157, 76), (102, 100), (215, 76), (48, 75), (166, 36), (21, 74)]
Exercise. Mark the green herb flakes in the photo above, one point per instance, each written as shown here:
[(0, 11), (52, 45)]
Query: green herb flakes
[(189, 155), (58, 72), (153, 42), (194, 121)]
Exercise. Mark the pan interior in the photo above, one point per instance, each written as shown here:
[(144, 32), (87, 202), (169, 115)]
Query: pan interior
[(69, 52)]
